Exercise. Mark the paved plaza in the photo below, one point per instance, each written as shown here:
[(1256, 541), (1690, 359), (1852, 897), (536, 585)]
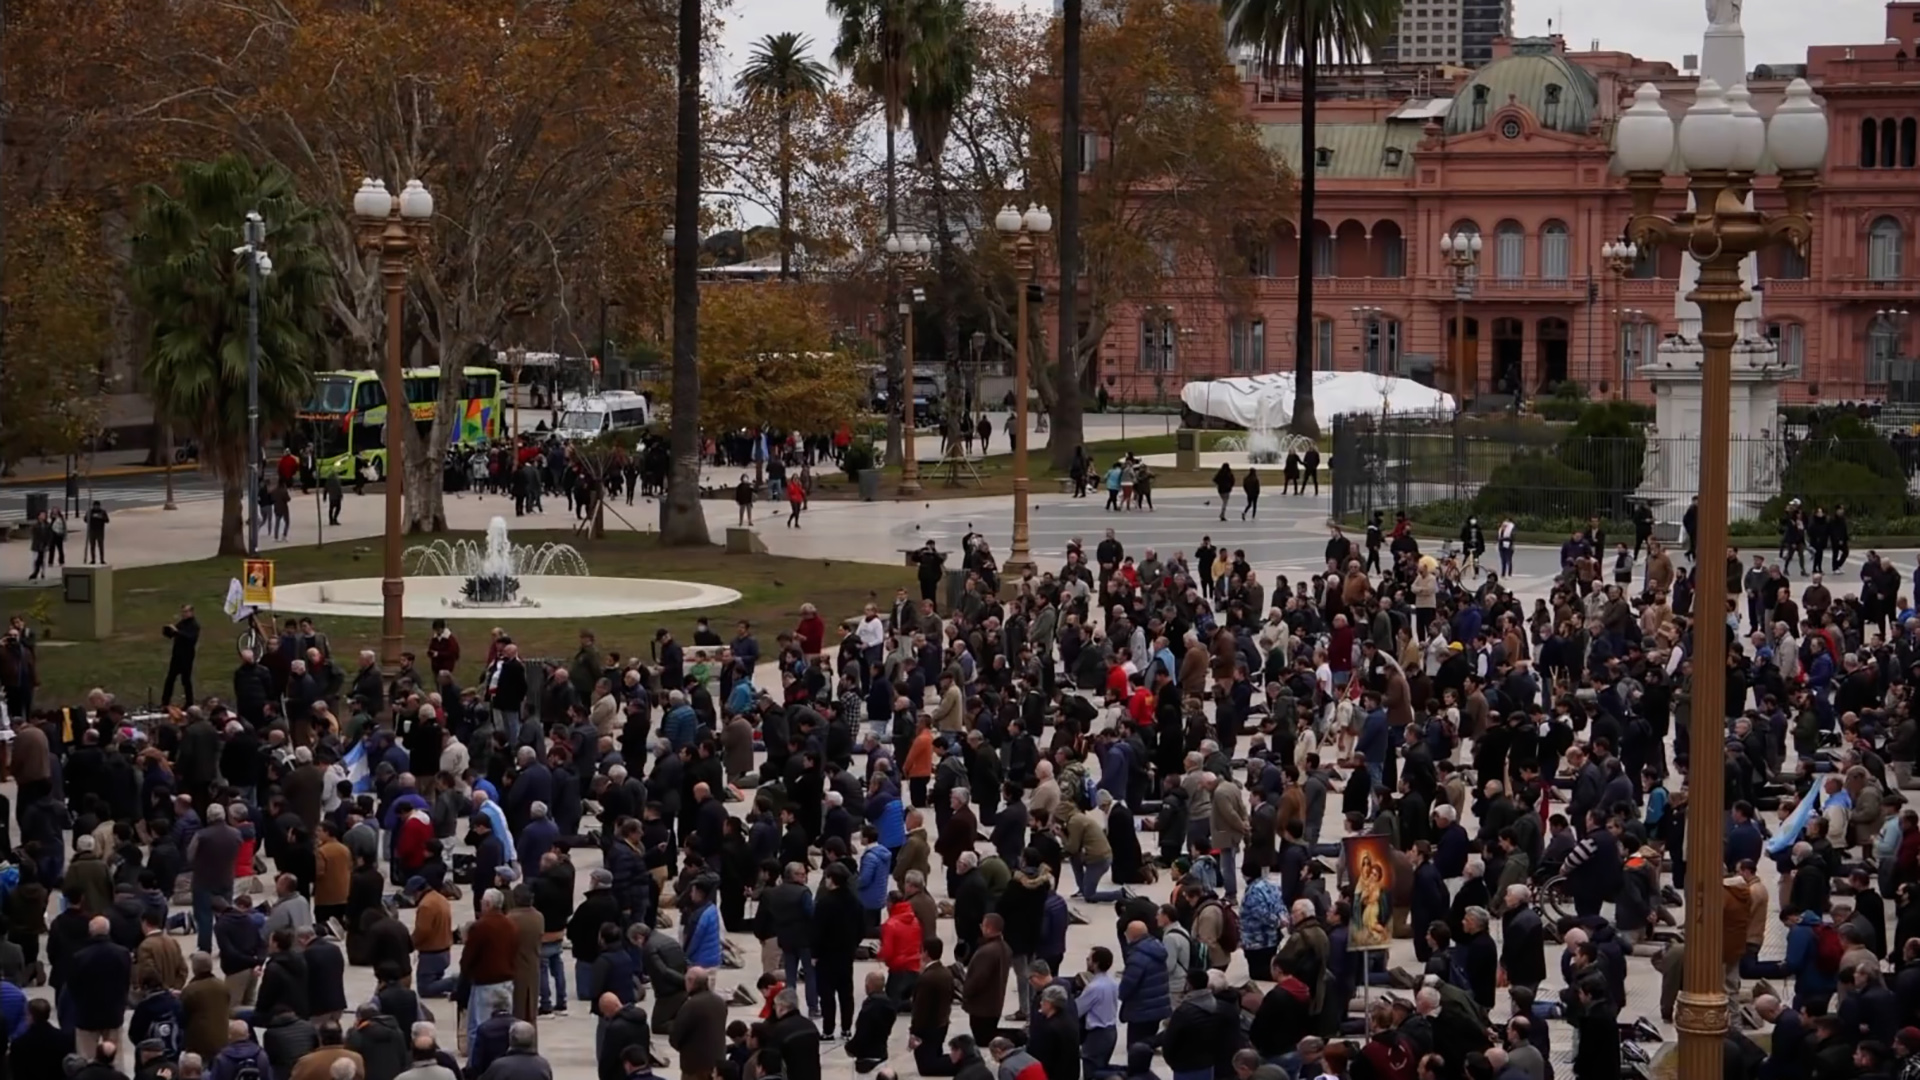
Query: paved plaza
[(1288, 539)]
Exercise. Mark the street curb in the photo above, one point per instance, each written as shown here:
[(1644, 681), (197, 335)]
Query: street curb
[(99, 474)]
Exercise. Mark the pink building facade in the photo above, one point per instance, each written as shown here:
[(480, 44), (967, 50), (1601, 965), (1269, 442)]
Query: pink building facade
[(1519, 153)]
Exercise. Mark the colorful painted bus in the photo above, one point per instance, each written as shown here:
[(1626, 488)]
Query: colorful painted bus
[(346, 418)]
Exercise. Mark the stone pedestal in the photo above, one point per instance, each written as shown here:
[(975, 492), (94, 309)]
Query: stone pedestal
[(1671, 471), (86, 611)]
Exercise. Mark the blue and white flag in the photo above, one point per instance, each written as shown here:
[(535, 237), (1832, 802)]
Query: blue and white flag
[(1796, 824), (355, 761)]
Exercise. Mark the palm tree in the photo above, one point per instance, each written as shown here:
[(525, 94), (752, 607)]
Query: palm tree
[(193, 290), (683, 521), (872, 45), (781, 73), (1305, 34), (1067, 424), (940, 61)]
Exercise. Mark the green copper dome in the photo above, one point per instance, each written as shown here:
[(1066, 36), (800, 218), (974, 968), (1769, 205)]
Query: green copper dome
[(1561, 95)]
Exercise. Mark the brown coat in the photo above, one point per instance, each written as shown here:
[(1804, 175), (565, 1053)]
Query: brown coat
[(1737, 902), (318, 1064), (206, 1006), (700, 1033), (1293, 807), (433, 923), (526, 964), (30, 754), (984, 993), (1193, 670), (332, 874), (159, 955)]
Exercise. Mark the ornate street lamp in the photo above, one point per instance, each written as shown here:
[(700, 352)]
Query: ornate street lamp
[(1619, 257), (396, 229), (910, 253), (1462, 252), (1721, 140), (259, 265), (1020, 235)]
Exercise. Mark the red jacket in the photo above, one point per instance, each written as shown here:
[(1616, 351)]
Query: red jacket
[(410, 847), (900, 939), (813, 634), (443, 653)]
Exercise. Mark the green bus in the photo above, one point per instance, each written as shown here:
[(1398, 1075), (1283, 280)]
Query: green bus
[(346, 416)]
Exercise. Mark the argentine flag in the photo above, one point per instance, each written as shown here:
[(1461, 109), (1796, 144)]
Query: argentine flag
[(1796, 824), (355, 762)]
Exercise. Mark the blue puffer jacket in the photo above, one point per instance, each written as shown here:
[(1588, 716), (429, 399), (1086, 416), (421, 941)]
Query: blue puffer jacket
[(1143, 983), (889, 817), (680, 727), (703, 938), (1803, 959), (875, 864)]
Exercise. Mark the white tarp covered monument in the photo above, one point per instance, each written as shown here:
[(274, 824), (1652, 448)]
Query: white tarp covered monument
[(1265, 402)]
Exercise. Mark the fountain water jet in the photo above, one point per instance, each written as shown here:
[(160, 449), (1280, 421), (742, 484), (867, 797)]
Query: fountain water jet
[(492, 570)]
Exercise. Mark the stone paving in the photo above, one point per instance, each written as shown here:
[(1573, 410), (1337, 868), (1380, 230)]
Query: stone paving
[(1287, 539)]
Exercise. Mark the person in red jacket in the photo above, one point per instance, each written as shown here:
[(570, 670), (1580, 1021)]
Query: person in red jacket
[(901, 942), (796, 499), (812, 631), (410, 846), (443, 649)]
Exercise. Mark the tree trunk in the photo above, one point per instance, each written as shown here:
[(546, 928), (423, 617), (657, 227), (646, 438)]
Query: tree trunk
[(786, 193), (1066, 426), (1305, 421), (899, 378), (950, 301), (233, 523), (683, 522)]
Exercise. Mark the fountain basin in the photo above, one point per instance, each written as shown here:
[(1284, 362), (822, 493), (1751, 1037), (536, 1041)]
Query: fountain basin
[(540, 597)]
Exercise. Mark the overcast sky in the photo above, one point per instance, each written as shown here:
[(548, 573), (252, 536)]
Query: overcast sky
[(1778, 31)]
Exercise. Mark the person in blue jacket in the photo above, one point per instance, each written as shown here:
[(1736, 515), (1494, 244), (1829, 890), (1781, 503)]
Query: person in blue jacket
[(1144, 1001), (1812, 988), (876, 866), (888, 815), (703, 927)]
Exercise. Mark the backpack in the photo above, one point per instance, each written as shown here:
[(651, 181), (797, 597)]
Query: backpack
[(249, 1069), (1390, 1055), (1197, 955), (1827, 949), (1229, 925)]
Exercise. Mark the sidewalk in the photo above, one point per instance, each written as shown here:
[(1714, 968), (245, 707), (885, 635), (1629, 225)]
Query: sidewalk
[(35, 472)]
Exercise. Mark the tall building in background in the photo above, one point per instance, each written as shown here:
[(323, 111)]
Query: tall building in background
[(1448, 32)]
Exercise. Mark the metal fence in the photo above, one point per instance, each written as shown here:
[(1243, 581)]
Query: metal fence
[(1543, 476)]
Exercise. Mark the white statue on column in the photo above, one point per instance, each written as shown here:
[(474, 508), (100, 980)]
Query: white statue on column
[(1723, 12)]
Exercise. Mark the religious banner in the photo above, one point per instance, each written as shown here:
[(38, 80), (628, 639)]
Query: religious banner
[(256, 578), (1368, 867)]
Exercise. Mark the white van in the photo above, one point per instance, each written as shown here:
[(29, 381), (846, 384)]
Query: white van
[(592, 415)]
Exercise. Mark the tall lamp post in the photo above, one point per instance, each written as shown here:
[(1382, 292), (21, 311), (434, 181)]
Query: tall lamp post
[(259, 265), (1462, 252), (910, 254), (396, 229), (1020, 234), (1619, 257), (1721, 140)]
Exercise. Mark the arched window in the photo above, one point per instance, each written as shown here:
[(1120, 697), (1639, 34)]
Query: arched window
[(1869, 143), (1509, 251), (1885, 241), (1793, 264), (1555, 253), (1380, 346), (1323, 343), (1158, 337), (1908, 130), (1889, 143)]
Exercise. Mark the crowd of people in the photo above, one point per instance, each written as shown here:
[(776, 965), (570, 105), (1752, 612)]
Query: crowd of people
[(864, 832)]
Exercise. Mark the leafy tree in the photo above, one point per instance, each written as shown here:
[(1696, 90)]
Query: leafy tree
[(1304, 35), (782, 73), (58, 310), (193, 290), (539, 127), (1182, 175), (767, 360)]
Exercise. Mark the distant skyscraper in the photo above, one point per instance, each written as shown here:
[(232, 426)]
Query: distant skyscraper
[(1448, 32)]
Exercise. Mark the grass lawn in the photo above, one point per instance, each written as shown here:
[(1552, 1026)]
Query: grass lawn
[(133, 662)]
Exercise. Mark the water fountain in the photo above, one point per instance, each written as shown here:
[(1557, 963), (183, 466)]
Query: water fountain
[(492, 571), (495, 578)]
